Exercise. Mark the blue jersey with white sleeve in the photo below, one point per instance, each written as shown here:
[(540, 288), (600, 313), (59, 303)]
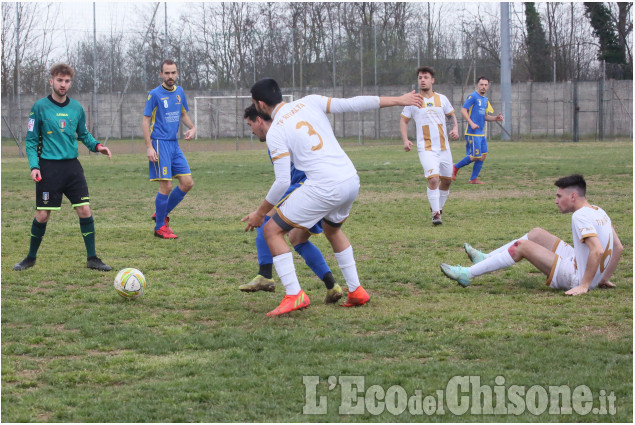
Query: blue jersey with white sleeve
[(477, 106), (165, 107)]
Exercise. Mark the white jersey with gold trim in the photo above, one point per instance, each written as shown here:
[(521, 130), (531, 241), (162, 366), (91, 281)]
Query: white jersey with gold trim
[(302, 130), (587, 222), (432, 133)]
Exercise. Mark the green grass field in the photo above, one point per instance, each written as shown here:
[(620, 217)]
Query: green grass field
[(195, 349)]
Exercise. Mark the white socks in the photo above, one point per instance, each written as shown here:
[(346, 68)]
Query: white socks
[(443, 196), (286, 272), (506, 246), (498, 259), (493, 262), (433, 198), (346, 262)]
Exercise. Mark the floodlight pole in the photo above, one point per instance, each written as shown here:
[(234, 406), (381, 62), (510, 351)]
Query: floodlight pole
[(94, 114), (165, 16), (506, 74), (17, 67)]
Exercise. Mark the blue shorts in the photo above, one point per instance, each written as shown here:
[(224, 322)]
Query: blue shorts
[(171, 163), (317, 228), (475, 147)]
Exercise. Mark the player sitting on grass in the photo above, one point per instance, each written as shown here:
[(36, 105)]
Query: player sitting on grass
[(589, 263), (299, 238)]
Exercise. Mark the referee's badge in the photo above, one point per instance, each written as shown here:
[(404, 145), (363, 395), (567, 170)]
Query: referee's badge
[(45, 196), (62, 124)]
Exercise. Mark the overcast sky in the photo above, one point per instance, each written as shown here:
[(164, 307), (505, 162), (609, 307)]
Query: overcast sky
[(111, 15)]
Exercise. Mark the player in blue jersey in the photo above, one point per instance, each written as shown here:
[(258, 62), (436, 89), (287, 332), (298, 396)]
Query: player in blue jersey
[(475, 112), (299, 238), (165, 108)]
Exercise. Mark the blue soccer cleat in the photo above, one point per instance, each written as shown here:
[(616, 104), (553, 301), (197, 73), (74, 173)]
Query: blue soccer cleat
[(475, 255), (458, 273)]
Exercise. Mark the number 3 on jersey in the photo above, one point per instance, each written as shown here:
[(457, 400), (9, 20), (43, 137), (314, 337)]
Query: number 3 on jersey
[(312, 132)]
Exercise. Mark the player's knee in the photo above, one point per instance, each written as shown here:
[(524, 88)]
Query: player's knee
[(535, 233), (517, 249), (83, 211), (298, 236), (42, 216), (272, 229), (165, 187), (433, 183), (186, 186)]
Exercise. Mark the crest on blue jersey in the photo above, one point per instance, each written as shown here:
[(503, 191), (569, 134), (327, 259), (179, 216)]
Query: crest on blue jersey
[(178, 99)]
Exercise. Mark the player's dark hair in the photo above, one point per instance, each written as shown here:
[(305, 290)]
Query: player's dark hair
[(251, 113), (574, 181), (482, 77), (62, 69), (268, 91), (167, 62), (424, 70)]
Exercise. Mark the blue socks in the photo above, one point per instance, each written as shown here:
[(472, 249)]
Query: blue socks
[(164, 204), (462, 163), (313, 258), (478, 165), (161, 204), (477, 169), (264, 255), (175, 197)]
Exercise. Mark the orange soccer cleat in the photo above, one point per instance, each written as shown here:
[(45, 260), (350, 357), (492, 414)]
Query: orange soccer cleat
[(164, 232), (356, 298), (475, 181), (455, 171), (291, 303)]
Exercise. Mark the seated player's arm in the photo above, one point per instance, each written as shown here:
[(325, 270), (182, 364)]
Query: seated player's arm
[(593, 262), (618, 248)]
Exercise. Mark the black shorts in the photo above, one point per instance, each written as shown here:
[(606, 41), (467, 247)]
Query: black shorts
[(61, 177)]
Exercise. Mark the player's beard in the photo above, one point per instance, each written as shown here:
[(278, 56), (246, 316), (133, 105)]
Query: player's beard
[(60, 94)]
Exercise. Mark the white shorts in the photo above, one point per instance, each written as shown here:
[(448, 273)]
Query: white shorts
[(309, 204), (436, 163), (563, 274)]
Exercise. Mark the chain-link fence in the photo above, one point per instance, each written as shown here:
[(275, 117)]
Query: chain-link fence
[(602, 109)]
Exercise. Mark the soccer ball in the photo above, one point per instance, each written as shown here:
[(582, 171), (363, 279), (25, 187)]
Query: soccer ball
[(130, 283)]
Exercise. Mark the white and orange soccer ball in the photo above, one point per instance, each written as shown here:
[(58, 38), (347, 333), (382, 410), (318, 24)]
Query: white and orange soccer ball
[(130, 283)]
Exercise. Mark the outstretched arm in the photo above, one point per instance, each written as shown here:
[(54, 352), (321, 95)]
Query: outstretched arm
[(412, 98)]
